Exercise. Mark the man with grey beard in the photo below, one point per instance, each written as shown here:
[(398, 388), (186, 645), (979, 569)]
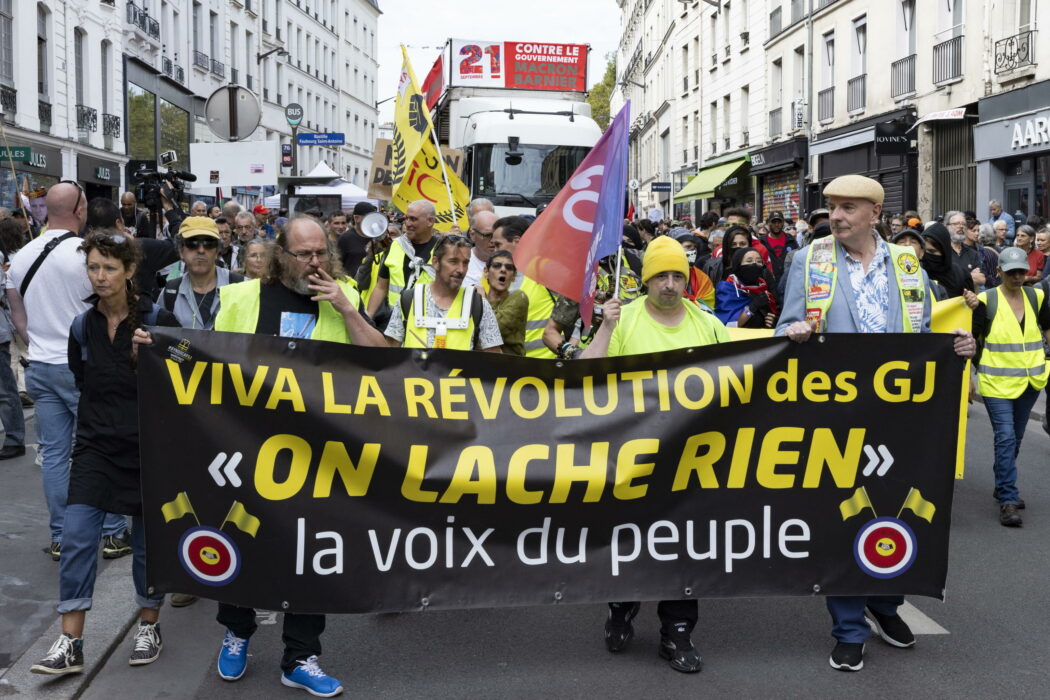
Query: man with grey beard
[(964, 254)]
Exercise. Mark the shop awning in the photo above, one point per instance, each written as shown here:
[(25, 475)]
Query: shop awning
[(703, 185)]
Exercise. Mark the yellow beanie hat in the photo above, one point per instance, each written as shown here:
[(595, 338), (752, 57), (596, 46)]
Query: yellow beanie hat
[(664, 254)]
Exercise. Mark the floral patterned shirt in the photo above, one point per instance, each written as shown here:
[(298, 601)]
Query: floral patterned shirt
[(871, 288)]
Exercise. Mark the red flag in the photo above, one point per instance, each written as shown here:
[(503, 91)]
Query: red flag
[(434, 84), (630, 213)]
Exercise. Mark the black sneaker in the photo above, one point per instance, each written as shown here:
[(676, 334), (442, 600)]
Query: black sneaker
[(678, 649), (54, 549), (65, 656), (892, 629), (618, 628), (1009, 516), (147, 644), (116, 546), (1020, 501), (847, 656)]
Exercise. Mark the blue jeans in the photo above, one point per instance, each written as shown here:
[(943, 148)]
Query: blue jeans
[(10, 404), (55, 396), (847, 614), (1009, 419), (79, 563)]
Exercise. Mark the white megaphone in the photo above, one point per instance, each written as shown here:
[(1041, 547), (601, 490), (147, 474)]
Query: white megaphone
[(374, 225)]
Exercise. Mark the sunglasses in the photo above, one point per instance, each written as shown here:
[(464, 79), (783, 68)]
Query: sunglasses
[(509, 267), (75, 184), (200, 241)]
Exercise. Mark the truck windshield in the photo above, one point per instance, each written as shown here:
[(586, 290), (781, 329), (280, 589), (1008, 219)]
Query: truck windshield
[(537, 174)]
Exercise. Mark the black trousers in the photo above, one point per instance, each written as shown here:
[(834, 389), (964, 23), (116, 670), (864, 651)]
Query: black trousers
[(301, 633), (672, 611)]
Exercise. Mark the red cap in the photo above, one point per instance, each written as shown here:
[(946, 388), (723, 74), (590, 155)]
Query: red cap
[(260, 209)]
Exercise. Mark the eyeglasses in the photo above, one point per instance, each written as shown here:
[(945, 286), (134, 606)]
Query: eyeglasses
[(509, 267), (308, 255), (197, 242), (77, 185), (486, 236)]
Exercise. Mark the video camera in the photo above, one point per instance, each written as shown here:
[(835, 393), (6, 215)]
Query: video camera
[(149, 183)]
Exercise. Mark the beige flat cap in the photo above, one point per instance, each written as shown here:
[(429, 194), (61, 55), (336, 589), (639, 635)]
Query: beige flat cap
[(855, 187)]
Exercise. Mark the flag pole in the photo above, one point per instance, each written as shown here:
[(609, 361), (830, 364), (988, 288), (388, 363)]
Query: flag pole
[(444, 176), (619, 259)]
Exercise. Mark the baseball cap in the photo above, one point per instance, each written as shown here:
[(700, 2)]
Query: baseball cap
[(260, 209), (1013, 258), (362, 208), (193, 226)]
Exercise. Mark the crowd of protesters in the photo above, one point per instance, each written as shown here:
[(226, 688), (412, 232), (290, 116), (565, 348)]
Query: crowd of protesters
[(80, 292)]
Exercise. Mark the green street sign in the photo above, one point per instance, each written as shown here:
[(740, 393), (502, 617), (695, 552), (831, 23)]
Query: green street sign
[(22, 154)]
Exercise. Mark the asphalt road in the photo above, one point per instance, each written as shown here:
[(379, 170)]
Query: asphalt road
[(989, 639)]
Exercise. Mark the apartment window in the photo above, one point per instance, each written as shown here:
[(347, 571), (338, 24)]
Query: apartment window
[(741, 13), (776, 84), (827, 61), (950, 17), (107, 79), (726, 125), (196, 26), (1025, 16), (745, 106), (42, 54), (249, 52), (906, 28), (713, 125), (78, 58), (213, 27), (685, 67), (234, 31), (860, 46), (7, 40)]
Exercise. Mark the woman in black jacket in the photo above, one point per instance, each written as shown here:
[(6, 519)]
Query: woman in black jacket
[(104, 477)]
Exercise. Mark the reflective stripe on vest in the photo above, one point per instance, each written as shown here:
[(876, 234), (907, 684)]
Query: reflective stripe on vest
[(1013, 359), (541, 305), (458, 313), (822, 274)]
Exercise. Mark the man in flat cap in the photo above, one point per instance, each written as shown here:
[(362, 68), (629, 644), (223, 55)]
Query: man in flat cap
[(854, 282)]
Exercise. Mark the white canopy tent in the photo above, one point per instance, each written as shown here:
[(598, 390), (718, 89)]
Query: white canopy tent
[(351, 193)]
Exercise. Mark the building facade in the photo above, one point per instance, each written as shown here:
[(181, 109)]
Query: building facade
[(94, 91), (773, 98)]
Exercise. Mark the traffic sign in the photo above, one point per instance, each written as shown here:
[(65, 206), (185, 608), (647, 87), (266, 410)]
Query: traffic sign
[(633, 183), (233, 112), (322, 139), (293, 112)]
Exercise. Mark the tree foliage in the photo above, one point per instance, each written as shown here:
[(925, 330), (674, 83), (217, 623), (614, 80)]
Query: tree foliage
[(601, 93)]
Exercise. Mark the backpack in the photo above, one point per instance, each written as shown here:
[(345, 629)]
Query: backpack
[(477, 309), (79, 328)]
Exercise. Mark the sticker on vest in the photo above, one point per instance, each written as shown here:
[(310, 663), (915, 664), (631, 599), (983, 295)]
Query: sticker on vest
[(813, 316), (822, 254), (912, 281), (295, 325), (908, 262)]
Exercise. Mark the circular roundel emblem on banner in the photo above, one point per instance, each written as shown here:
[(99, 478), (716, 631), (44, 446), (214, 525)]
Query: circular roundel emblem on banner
[(908, 262), (209, 556), (885, 547)]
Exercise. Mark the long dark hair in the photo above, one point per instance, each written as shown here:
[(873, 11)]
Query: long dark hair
[(111, 243)]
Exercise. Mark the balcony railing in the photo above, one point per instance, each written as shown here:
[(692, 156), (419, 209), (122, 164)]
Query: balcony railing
[(87, 118), (280, 99), (685, 84), (856, 93), (9, 102), (167, 66), (902, 76), (826, 105), (726, 143), (138, 17), (745, 139), (266, 94), (775, 22), (774, 121), (218, 68), (180, 74), (1015, 51), (110, 125), (948, 60), (201, 60), (43, 111), (714, 147)]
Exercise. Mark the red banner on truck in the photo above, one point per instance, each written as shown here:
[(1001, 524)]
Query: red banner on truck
[(518, 65)]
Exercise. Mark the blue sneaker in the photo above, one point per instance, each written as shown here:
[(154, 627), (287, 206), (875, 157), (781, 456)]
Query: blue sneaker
[(233, 657), (312, 679)]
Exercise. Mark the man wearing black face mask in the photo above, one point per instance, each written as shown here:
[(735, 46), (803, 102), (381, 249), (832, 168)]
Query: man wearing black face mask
[(939, 264)]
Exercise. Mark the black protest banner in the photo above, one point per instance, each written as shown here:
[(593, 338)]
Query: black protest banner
[(316, 477)]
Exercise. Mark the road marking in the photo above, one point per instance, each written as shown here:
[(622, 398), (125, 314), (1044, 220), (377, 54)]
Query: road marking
[(919, 621)]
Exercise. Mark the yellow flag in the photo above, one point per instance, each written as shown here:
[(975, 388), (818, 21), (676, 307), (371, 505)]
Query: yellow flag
[(173, 510), (412, 125), (855, 504), (919, 505), (425, 180), (947, 315), (242, 519)]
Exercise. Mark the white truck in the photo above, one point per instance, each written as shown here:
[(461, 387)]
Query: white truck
[(521, 145)]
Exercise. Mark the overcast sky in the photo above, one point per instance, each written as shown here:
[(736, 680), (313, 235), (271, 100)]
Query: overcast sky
[(422, 24)]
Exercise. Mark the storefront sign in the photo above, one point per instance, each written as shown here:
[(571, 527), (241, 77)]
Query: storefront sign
[(20, 154), (519, 65), (660, 187), (891, 139), (98, 171), (1010, 137)]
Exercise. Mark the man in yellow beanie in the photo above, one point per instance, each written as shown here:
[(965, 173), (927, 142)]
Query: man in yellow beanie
[(661, 320)]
